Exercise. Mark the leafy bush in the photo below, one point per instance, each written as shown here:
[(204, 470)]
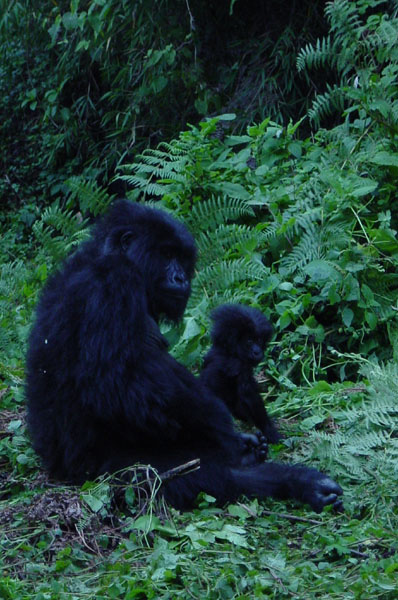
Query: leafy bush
[(362, 48), (315, 240), (85, 85)]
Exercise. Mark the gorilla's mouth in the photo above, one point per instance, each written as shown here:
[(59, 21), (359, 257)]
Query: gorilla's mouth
[(177, 294)]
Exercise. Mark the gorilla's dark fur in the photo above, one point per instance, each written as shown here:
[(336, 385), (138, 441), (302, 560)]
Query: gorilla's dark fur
[(239, 335), (103, 391)]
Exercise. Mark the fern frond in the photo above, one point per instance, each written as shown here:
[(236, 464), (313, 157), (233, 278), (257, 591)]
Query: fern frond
[(91, 197), (11, 275), (325, 104), (155, 167), (166, 167), (384, 383), (384, 41), (318, 56), (59, 231), (385, 289), (207, 214), (370, 452), (213, 245), (366, 442), (339, 48), (226, 274), (309, 248), (156, 157), (178, 146), (343, 17), (272, 231), (65, 221), (135, 181), (14, 279), (231, 296)]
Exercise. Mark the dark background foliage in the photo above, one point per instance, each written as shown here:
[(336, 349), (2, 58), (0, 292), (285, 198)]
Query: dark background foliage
[(84, 86)]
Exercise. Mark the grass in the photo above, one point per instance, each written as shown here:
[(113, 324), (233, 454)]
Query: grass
[(99, 542)]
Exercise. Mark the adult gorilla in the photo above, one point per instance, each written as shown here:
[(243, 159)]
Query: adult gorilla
[(104, 393)]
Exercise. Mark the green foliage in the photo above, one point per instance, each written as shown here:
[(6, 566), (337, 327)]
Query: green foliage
[(18, 289), (76, 83), (306, 229), (359, 48), (85, 85), (59, 231), (359, 439), (88, 197)]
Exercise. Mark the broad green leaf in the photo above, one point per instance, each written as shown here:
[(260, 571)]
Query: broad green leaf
[(347, 316), (286, 286), (192, 329), (94, 503), (70, 21), (295, 149), (364, 187), (371, 319), (321, 270), (386, 159), (319, 387), (233, 190), (233, 534)]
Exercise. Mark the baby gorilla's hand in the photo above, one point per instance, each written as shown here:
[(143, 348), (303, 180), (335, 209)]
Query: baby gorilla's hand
[(262, 447)]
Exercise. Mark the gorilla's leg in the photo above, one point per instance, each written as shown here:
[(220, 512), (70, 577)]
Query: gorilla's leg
[(288, 481), (269, 479)]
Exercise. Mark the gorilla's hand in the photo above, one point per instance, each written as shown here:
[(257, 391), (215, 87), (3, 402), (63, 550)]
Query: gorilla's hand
[(255, 448), (320, 491)]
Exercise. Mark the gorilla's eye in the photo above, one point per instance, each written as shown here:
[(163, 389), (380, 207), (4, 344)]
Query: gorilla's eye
[(168, 253)]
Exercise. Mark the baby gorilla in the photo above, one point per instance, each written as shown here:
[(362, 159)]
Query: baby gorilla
[(240, 335)]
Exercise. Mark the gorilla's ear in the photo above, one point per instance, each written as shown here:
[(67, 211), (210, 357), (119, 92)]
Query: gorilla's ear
[(118, 240), (125, 240)]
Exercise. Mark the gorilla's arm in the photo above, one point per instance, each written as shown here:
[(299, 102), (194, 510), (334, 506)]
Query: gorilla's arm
[(251, 409), (238, 389)]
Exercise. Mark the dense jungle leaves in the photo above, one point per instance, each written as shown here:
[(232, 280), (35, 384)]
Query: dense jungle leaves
[(270, 129)]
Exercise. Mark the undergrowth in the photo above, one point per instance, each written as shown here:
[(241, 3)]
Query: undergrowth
[(303, 228)]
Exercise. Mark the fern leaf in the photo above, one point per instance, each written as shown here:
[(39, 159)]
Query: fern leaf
[(209, 213), (343, 17), (91, 197), (59, 231), (225, 274), (318, 56), (325, 104)]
